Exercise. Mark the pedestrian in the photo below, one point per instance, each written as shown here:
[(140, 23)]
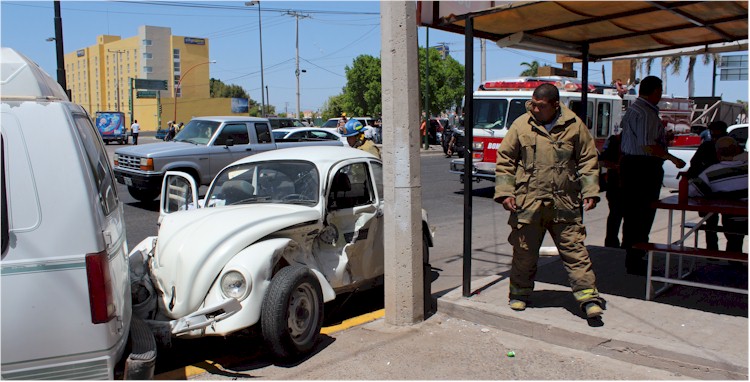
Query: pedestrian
[(135, 128), (355, 136), (621, 89), (378, 131), (704, 157), (341, 124), (170, 131), (610, 159), (726, 179), (644, 150), (546, 176), (179, 128), (423, 132)]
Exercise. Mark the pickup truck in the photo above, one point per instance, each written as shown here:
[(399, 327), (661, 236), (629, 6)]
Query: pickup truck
[(201, 149), (738, 132)]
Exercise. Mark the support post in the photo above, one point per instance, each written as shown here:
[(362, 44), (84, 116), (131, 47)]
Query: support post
[(469, 137), (404, 296)]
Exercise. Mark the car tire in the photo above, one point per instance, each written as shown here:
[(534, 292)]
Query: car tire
[(292, 312), (143, 195)]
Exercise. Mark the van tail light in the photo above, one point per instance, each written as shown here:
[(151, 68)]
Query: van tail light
[(100, 287)]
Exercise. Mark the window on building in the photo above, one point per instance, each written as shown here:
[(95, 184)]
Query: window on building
[(177, 67), (148, 69), (146, 42), (147, 56), (176, 54)]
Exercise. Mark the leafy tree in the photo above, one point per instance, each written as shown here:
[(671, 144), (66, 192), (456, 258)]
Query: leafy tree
[(532, 69), (362, 94), (446, 81), (333, 107), (221, 90)]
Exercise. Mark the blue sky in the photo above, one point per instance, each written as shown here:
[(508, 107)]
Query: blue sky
[(335, 33)]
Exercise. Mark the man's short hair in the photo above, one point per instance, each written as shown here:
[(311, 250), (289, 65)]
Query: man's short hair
[(649, 85), (719, 126), (548, 92), (727, 148)]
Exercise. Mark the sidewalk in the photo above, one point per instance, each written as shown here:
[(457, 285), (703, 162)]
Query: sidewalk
[(687, 333), (695, 332)]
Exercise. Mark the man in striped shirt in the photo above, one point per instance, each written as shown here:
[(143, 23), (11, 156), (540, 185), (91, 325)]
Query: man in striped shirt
[(727, 180), (644, 150)]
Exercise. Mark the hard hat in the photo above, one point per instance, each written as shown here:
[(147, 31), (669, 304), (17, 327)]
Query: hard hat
[(343, 114), (352, 128)]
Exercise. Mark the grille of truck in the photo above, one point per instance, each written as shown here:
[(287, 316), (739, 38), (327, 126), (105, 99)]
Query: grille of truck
[(130, 162)]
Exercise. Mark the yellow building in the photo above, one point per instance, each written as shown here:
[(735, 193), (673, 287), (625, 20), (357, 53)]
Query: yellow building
[(102, 77)]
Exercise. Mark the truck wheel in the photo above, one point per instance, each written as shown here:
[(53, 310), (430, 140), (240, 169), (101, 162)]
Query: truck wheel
[(292, 312), (143, 195)]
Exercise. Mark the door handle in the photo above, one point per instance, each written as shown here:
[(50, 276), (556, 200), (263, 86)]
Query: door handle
[(248, 149)]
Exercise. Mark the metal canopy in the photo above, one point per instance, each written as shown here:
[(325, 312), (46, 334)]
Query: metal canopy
[(609, 28), (587, 30)]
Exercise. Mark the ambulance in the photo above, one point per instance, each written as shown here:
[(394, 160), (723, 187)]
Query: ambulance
[(498, 103)]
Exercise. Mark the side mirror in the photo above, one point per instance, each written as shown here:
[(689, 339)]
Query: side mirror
[(229, 143)]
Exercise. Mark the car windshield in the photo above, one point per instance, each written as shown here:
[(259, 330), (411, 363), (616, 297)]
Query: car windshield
[(283, 181), (197, 132)]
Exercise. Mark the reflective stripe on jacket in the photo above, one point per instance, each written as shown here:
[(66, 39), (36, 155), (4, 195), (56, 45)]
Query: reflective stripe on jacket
[(561, 165)]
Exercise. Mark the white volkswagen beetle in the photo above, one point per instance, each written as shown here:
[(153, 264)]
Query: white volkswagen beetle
[(278, 234)]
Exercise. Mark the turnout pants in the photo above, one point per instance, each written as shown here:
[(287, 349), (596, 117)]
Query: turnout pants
[(568, 237)]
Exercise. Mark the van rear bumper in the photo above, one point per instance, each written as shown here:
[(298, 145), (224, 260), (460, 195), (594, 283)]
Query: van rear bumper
[(148, 181)]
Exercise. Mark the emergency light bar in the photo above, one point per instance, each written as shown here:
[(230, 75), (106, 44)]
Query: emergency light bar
[(532, 84)]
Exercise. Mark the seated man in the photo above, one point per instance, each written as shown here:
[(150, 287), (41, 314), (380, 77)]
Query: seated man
[(727, 180)]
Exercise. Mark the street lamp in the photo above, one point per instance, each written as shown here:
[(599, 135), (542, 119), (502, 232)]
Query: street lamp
[(182, 77), (260, 38)]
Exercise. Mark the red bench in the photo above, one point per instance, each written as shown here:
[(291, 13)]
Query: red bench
[(676, 249)]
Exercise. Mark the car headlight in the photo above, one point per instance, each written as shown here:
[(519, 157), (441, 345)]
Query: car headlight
[(234, 284)]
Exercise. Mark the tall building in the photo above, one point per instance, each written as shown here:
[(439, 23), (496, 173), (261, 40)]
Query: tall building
[(101, 77)]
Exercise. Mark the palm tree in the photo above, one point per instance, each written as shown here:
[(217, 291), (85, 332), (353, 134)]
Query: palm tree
[(706, 59), (532, 68), (675, 62)]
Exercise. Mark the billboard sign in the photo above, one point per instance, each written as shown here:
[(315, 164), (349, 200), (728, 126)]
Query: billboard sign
[(151, 84)]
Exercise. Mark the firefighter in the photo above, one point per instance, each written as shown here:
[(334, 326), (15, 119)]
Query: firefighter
[(354, 133), (546, 175)]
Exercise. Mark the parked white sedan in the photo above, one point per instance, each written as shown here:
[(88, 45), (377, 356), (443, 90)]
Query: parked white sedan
[(306, 133), (278, 234)]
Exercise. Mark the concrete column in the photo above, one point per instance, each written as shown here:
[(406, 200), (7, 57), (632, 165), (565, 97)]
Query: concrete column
[(401, 173)]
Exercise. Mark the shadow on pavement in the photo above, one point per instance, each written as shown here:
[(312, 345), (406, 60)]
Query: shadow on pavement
[(611, 278)]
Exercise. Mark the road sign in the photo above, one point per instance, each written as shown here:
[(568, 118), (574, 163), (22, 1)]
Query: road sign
[(146, 94), (151, 84)]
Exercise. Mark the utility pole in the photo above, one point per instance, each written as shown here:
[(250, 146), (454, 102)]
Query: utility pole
[(59, 49), (117, 79), (297, 72)]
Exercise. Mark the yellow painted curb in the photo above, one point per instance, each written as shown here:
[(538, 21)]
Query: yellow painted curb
[(202, 367), (359, 320)]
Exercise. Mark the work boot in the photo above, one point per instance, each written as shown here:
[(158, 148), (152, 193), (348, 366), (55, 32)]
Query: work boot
[(593, 310), (517, 304)]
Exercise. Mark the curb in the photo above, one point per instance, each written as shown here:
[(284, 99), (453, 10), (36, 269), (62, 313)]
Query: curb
[(631, 348)]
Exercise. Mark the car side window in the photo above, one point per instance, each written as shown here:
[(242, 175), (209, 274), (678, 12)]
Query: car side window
[(236, 131), (98, 163), (602, 120), (263, 132), (351, 187), (377, 170)]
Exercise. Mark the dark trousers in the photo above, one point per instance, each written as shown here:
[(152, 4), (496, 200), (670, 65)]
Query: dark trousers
[(614, 202), (737, 224), (642, 178), (135, 138)]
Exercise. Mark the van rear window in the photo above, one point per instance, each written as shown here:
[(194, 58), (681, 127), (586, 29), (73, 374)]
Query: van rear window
[(100, 170)]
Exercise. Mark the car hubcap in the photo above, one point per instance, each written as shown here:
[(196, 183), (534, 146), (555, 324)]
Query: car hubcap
[(302, 313)]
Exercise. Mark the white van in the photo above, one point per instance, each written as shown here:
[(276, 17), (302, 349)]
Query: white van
[(66, 304)]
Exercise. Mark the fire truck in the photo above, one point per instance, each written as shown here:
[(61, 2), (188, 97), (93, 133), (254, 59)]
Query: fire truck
[(498, 103)]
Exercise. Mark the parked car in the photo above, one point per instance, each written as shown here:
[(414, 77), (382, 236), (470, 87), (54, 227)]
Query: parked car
[(282, 122), (306, 133), (277, 235), (738, 132), (203, 147), (66, 311)]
